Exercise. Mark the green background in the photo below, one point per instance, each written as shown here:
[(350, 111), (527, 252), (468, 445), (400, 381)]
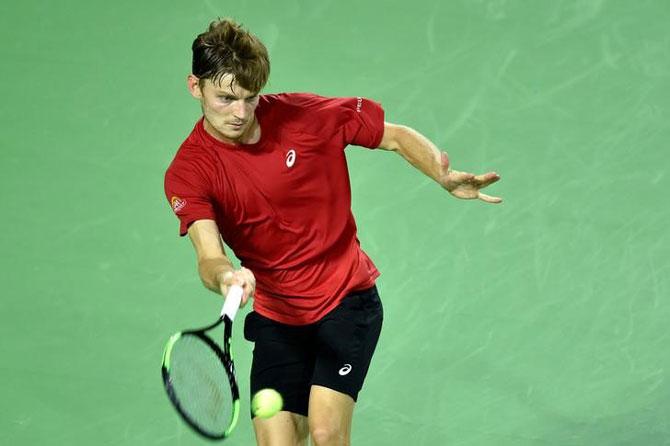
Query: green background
[(541, 321)]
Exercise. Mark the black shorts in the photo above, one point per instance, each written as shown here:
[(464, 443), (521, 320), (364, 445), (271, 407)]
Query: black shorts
[(334, 352)]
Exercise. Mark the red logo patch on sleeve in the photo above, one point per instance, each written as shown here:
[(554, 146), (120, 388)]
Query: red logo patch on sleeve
[(177, 204)]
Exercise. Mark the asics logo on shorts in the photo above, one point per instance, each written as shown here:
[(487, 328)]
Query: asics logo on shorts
[(290, 158), (345, 370)]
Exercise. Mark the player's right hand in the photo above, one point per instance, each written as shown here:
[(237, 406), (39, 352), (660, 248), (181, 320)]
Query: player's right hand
[(242, 277)]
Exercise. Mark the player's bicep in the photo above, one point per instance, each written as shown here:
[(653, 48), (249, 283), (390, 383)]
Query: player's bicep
[(206, 239)]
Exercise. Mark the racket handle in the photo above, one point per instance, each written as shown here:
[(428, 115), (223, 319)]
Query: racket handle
[(232, 302)]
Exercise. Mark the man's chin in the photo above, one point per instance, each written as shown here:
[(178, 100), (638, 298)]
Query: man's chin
[(231, 133)]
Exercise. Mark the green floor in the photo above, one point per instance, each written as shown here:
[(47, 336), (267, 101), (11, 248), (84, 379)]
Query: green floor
[(542, 321)]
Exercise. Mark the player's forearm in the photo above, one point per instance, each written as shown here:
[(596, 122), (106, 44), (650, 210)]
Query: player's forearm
[(212, 271), (421, 153)]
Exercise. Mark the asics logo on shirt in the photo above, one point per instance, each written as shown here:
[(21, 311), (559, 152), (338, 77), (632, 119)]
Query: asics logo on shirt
[(345, 370), (290, 158)]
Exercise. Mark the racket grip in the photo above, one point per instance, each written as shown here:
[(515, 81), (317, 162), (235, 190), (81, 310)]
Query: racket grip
[(232, 302)]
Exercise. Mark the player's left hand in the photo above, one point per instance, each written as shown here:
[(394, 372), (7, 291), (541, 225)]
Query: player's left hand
[(467, 185)]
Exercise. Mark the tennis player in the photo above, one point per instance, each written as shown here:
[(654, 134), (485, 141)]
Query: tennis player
[(267, 175)]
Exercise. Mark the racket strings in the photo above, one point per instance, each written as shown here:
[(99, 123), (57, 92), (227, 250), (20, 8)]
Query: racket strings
[(200, 384)]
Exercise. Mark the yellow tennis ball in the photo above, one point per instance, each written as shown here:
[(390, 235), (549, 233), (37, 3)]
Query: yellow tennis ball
[(266, 403)]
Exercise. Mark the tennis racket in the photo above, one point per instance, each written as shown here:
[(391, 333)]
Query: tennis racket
[(199, 376)]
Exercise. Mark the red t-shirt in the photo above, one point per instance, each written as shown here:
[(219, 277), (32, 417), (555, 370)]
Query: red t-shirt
[(283, 205)]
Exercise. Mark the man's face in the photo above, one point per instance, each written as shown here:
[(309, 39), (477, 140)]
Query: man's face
[(227, 107)]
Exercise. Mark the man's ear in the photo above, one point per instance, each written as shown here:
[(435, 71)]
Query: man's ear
[(193, 84)]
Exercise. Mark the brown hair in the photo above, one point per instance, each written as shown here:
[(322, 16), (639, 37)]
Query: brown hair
[(226, 48)]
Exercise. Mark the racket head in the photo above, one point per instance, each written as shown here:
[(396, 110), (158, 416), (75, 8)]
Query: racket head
[(200, 382)]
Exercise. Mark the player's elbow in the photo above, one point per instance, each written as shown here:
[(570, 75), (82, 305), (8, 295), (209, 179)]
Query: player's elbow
[(391, 140)]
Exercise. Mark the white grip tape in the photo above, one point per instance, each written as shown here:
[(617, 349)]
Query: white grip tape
[(232, 302)]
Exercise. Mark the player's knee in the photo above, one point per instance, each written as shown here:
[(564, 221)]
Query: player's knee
[(328, 435)]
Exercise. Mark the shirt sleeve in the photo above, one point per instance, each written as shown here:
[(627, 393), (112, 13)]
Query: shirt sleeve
[(364, 124), (188, 194), (356, 120)]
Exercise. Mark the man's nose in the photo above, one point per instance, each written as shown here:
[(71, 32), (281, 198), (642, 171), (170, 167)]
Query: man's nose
[(240, 110)]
